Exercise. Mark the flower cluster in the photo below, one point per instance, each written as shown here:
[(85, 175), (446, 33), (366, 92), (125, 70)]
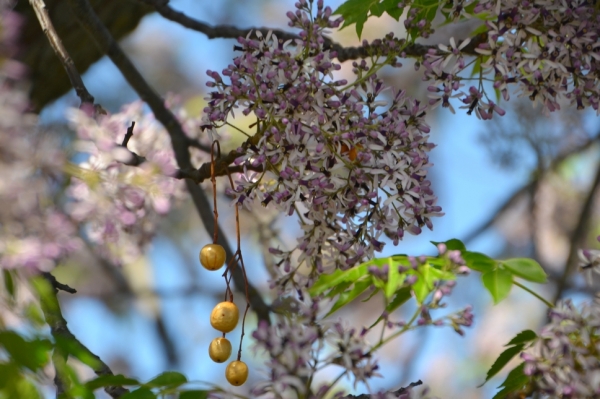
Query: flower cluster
[(350, 159), (34, 233), (300, 345), (118, 204), (564, 363), (548, 48)]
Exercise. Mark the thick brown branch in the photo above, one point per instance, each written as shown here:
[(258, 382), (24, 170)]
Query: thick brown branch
[(106, 43), (42, 14), (60, 330)]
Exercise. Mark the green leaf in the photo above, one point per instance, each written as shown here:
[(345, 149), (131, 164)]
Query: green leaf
[(32, 354), (339, 289), (503, 360), (355, 12), (401, 296), (522, 338), (348, 296), (477, 70), (427, 10), (110, 381), (75, 349), (328, 281), (140, 393), (498, 282), (515, 381), (394, 11), (24, 388), (9, 283), (388, 6), (438, 274), (478, 261), (393, 279), (452, 244), (424, 284), (375, 291), (193, 395), (527, 269), (9, 372), (169, 379)]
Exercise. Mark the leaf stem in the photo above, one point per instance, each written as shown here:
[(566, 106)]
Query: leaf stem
[(546, 302)]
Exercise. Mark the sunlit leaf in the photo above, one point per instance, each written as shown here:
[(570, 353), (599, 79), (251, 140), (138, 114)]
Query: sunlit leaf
[(348, 296), (498, 282), (393, 279), (328, 281), (527, 269), (479, 262)]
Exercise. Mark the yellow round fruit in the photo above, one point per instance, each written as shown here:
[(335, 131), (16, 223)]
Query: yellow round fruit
[(212, 256), (219, 349), (224, 317), (236, 373)]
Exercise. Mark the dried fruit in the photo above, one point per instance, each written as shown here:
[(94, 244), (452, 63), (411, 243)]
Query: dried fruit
[(219, 349), (236, 373), (224, 317), (212, 256)]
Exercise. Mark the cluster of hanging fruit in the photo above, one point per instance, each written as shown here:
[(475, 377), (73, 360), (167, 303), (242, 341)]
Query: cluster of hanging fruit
[(224, 318)]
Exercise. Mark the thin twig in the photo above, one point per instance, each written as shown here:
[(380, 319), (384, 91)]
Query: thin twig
[(107, 44), (398, 392), (41, 12), (578, 236), (60, 330), (128, 135), (520, 192), (57, 285), (233, 32)]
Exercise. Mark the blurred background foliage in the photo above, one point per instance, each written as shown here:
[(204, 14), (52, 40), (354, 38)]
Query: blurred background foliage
[(515, 186)]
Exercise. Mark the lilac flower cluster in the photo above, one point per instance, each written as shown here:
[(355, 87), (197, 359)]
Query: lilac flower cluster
[(34, 233), (119, 205), (350, 159), (298, 346), (548, 48), (564, 362)]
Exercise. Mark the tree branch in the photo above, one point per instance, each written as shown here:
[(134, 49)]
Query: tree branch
[(398, 392), (520, 192), (42, 15), (60, 330), (232, 32), (578, 236), (106, 43)]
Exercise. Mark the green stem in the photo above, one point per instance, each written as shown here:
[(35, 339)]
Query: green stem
[(550, 305), (406, 327)]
